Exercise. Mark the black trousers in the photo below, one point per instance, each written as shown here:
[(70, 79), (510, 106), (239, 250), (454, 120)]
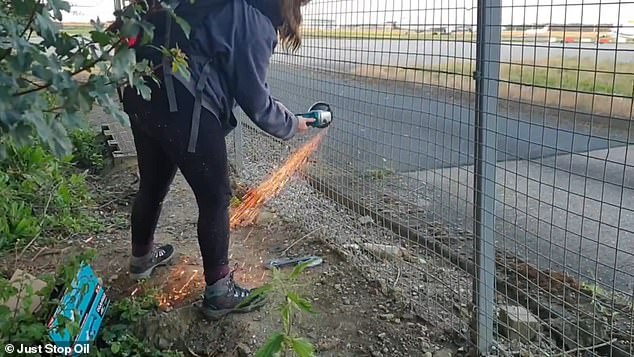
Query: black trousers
[(161, 140)]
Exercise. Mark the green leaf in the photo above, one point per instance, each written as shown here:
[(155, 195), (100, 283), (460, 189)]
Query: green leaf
[(115, 347), (286, 317), (301, 303), (123, 63), (184, 25), (272, 347), (144, 91), (299, 270), (302, 347), (46, 28), (102, 38), (258, 293), (57, 6)]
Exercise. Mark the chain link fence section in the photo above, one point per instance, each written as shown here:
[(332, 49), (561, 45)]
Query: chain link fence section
[(408, 195)]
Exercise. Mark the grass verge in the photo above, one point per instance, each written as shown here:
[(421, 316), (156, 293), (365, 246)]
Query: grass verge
[(604, 88)]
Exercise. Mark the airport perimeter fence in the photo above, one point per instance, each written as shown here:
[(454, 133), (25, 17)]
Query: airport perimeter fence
[(483, 147)]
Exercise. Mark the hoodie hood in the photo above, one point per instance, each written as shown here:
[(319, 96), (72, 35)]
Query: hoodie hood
[(271, 9)]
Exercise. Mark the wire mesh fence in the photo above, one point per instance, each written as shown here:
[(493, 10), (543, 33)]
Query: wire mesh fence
[(478, 164)]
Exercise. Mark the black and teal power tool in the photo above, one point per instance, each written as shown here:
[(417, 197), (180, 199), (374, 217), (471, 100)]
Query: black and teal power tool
[(321, 112)]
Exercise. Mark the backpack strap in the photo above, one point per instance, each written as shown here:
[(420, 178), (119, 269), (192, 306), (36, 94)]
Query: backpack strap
[(167, 68), (196, 111)]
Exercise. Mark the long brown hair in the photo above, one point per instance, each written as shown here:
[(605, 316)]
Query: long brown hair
[(289, 31)]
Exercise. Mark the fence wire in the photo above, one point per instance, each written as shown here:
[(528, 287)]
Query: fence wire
[(401, 159)]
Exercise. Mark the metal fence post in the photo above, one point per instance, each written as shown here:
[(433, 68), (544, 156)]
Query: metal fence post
[(487, 81)]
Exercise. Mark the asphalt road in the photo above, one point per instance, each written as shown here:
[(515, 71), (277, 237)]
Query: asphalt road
[(384, 125), (428, 133)]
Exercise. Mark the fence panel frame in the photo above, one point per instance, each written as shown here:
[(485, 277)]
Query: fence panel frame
[(489, 25)]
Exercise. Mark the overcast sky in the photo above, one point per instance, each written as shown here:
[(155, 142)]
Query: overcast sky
[(427, 12)]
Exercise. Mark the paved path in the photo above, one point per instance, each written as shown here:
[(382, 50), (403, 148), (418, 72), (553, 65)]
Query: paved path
[(558, 212)]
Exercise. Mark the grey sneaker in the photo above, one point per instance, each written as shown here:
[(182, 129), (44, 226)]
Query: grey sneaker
[(225, 297), (142, 268)]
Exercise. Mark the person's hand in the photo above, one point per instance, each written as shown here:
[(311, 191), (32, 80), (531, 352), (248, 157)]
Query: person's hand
[(303, 127)]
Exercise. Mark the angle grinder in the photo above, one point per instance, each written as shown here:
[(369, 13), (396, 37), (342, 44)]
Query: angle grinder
[(321, 112)]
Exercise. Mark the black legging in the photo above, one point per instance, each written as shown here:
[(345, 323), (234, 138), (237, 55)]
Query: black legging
[(161, 140)]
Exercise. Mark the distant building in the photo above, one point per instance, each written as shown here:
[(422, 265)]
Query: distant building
[(547, 28), (324, 24), (388, 26)]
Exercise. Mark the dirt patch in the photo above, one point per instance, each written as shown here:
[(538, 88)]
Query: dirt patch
[(354, 315)]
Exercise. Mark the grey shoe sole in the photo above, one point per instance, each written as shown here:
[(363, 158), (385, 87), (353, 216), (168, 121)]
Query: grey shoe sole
[(216, 315), (148, 273)]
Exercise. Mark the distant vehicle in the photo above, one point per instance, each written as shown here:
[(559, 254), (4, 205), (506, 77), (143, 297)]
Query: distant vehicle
[(624, 33), (438, 31), (462, 29)]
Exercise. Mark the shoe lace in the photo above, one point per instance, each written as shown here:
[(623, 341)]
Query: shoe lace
[(237, 290), (157, 254)]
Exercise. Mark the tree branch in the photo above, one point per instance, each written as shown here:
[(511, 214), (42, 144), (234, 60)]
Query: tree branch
[(47, 85), (74, 73)]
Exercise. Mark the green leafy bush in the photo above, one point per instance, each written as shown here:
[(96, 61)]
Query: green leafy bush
[(89, 151), (41, 195), (50, 78), (117, 339)]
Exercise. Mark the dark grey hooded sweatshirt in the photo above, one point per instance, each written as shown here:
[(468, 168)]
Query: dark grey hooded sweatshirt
[(240, 36)]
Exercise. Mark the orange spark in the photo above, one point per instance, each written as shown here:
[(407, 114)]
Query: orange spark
[(187, 283), (244, 215), (253, 201)]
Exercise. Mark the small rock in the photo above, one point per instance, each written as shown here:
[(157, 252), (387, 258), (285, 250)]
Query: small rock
[(517, 323), (352, 246), (382, 335), (243, 350), (429, 354), (397, 321), (377, 354), (387, 317), (346, 301), (163, 343), (265, 217), (443, 353)]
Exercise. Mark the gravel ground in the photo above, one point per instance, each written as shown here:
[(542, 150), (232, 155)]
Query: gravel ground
[(439, 292), (434, 288)]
